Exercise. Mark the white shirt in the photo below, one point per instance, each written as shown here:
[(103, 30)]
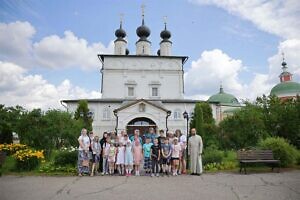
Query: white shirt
[(85, 141), (182, 139)]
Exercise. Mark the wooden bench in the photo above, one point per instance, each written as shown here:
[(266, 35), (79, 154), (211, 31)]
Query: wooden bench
[(249, 157), (2, 159)]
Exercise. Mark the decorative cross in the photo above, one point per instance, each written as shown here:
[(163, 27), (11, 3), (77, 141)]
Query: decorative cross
[(121, 17), (165, 21), (143, 9), (282, 56)]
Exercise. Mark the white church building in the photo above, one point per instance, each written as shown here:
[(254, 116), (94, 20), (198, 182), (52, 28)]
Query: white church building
[(140, 91)]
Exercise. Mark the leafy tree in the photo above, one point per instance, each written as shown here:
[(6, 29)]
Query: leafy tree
[(197, 120), (30, 129), (5, 129), (48, 130), (9, 117), (207, 113), (203, 121), (244, 129), (63, 129), (281, 117), (83, 113)]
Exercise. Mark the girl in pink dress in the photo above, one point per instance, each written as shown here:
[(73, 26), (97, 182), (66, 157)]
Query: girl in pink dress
[(137, 155)]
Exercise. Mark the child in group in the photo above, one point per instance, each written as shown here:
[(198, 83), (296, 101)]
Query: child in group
[(128, 156), (155, 157), (176, 150), (171, 137), (166, 151), (112, 158), (105, 152), (137, 155), (96, 154), (161, 137), (160, 142), (182, 158), (147, 153), (121, 158)]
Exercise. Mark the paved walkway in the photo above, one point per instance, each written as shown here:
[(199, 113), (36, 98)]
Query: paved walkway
[(231, 186)]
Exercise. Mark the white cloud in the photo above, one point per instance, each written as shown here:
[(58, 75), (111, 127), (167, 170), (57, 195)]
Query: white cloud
[(69, 51), (291, 49), (15, 38), (280, 17), (212, 68), (33, 91), (16, 46)]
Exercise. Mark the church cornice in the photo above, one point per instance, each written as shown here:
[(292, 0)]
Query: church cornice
[(102, 56)]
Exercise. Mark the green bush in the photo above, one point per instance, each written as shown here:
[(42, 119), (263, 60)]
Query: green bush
[(282, 150), (49, 167), (28, 164), (220, 166), (64, 158), (212, 155)]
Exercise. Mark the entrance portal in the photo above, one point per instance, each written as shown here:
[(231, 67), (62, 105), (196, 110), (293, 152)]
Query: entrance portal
[(141, 123)]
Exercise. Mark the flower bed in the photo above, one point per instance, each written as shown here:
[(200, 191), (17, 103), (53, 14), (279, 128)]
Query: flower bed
[(11, 149)]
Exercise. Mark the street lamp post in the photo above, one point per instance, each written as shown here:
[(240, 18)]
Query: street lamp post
[(186, 116)]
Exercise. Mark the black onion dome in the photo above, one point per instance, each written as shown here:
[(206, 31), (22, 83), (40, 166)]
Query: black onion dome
[(165, 34), (283, 64), (120, 33), (143, 31)]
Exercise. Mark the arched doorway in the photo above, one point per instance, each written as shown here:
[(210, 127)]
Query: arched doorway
[(141, 123)]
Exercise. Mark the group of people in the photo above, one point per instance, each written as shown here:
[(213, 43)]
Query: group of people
[(122, 154)]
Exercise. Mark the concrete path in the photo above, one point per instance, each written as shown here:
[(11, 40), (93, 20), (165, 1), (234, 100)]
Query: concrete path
[(231, 186)]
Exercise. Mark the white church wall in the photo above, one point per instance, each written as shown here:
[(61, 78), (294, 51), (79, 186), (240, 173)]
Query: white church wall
[(118, 75), (178, 122), (101, 124)]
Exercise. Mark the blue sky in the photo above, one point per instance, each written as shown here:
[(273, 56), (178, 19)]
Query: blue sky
[(226, 30)]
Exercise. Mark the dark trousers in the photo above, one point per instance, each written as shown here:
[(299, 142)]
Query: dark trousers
[(155, 165), (101, 163)]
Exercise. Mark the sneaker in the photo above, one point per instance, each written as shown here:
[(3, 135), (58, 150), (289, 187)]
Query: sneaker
[(106, 173), (152, 175), (157, 175)]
